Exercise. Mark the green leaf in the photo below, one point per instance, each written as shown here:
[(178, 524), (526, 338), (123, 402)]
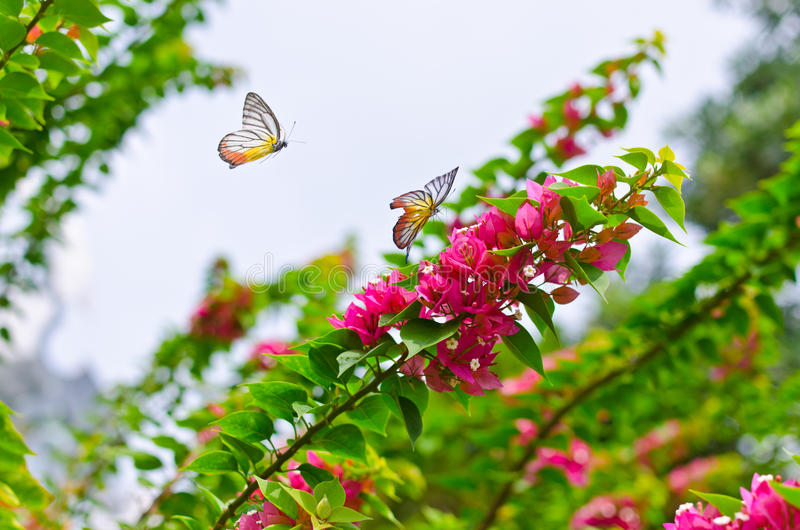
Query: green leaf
[(576, 192), (11, 32), (411, 311), (253, 452), (790, 494), (277, 397), (511, 251), (323, 361), (672, 202), (343, 338), (580, 214), (384, 511), (343, 440), (343, 514), (583, 174), (277, 495), (247, 425), (371, 414), (420, 333), (21, 85), (212, 501), (31, 62), (349, 359), (649, 220), (301, 365), (637, 160), (411, 417), (509, 205), (725, 504), (537, 302), (331, 489), (673, 174), (6, 138), (522, 345), (577, 268), (144, 461), (8, 497), (189, 522), (213, 462), (179, 450), (82, 12), (651, 158), (60, 43), (10, 7), (598, 279), (53, 62), (303, 498), (313, 475), (89, 41)]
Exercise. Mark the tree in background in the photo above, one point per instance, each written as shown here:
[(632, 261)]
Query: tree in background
[(74, 82), (737, 137)]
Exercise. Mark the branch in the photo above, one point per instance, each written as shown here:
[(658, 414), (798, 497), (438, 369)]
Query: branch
[(28, 28), (305, 440), (678, 330)]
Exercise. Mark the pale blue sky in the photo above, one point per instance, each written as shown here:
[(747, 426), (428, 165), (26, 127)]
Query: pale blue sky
[(386, 97)]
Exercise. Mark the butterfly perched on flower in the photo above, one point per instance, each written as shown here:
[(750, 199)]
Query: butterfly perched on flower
[(419, 206), (261, 134)]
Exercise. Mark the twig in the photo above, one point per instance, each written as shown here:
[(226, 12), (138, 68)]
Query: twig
[(9, 52), (678, 330), (306, 439)]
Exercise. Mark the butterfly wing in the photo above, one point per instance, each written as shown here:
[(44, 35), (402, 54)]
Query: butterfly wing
[(439, 188), (259, 136), (257, 115), (419, 207), (245, 145)]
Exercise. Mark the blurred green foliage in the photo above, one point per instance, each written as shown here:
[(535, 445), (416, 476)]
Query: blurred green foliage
[(736, 137), (68, 95)]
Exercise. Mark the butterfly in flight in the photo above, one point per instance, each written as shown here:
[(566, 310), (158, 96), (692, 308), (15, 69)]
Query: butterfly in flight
[(261, 134), (419, 206)]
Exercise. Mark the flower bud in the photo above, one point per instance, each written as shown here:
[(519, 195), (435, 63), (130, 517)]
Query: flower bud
[(324, 508)]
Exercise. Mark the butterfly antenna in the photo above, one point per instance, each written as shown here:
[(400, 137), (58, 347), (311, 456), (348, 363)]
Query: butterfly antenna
[(291, 131)]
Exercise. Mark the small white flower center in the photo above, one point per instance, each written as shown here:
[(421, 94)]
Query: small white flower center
[(685, 507), (474, 365), (451, 343), (529, 271), (763, 478), (427, 269), (721, 520), (739, 516)]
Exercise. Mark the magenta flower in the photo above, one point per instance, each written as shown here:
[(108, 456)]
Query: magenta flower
[(528, 222), (682, 478), (576, 462), (608, 512), (610, 254), (260, 353), (379, 298), (766, 508), (567, 148), (606, 181), (691, 517)]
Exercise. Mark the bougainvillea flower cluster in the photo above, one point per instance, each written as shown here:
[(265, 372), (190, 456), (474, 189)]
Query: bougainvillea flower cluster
[(219, 315), (762, 507), (608, 512), (260, 354), (477, 277), (575, 462)]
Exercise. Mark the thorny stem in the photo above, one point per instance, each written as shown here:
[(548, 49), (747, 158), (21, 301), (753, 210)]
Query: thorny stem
[(305, 439)]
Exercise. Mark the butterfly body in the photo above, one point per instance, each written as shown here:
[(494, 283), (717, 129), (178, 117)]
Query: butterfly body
[(419, 206), (261, 134)]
